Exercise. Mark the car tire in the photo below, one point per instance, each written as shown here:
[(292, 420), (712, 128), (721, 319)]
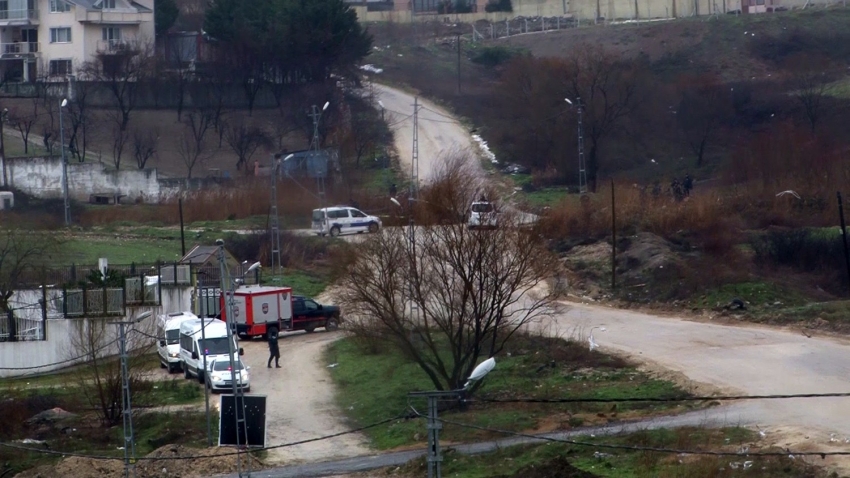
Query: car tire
[(373, 227), (335, 231), (201, 377), (185, 372), (332, 323)]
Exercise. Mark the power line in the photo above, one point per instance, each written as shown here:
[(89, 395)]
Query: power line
[(63, 361), (661, 399), (612, 446)]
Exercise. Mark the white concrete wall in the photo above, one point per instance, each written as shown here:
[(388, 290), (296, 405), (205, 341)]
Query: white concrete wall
[(62, 333), (42, 177)]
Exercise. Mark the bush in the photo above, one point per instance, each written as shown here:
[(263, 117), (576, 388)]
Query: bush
[(802, 249), (493, 55), (499, 6)]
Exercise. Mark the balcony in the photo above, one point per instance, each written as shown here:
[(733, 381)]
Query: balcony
[(116, 47), (18, 17), (19, 49), (114, 17)]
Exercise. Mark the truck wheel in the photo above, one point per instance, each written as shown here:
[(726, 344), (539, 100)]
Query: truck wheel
[(335, 231), (373, 227), (332, 323), (310, 328), (185, 372)]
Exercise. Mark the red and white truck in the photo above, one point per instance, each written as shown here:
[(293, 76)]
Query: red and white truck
[(260, 310)]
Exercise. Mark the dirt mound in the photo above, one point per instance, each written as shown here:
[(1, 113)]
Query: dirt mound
[(556, 468), (212, 463)]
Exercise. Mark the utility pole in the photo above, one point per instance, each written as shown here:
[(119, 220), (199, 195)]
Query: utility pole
[(126, 405), (613, 240), (238, 396), (458, 63), (412, 198), (314, 147), (274, 219), (3, 147), (844, 235), (582, 167), (67, 208)]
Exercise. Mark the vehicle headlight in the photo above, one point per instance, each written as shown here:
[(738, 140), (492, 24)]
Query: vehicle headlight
[(216, 377), (174, 355)]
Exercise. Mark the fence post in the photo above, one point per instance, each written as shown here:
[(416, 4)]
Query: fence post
[(43, 311), (175, 274), (13, 331), (105, 301), (64, 302), (85, 301)]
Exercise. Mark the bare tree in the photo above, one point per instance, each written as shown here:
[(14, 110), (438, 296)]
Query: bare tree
[(472, 289), (703, 110), (191, 146), (81, 119), (120, 136), (608, 90), (20, 253), (144, 144), (122, 72), (244, 140), (809, 83), (24, 121), (99, 378)]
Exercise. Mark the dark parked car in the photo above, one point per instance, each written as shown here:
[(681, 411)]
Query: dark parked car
[(307, 314)]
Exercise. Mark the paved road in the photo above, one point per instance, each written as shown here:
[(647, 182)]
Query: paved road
[(716, 416)]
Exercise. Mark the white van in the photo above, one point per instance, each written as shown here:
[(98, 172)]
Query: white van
[(168, 339), (343, 220), (483, 215), (193, 348)]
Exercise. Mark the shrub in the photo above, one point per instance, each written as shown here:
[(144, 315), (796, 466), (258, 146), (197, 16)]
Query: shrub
[(802, 249), (493, 55)]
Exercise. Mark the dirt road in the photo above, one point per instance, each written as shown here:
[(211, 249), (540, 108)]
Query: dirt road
[(736, 359), (438, 131), (300, 403)]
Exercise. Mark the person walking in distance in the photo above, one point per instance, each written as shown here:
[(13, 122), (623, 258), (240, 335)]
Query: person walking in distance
[(274, 350)]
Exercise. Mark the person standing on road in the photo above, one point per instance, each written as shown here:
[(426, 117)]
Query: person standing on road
[(274, 351)]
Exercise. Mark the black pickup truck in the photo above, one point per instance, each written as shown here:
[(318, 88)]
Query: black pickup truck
[(307, 314)]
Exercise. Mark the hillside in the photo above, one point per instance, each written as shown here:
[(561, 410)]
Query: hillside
[(737, 47)]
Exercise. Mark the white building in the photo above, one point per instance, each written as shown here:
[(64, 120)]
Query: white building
[(49, 39)]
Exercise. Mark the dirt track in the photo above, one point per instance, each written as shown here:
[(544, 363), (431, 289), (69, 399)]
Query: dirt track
[(300, 403)]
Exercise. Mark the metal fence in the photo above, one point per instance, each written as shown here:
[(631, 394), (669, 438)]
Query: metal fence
[(485, 30)]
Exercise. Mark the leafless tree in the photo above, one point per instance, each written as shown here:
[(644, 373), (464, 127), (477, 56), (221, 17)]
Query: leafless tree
[(122, 72), (144, 144), (608, 90), (809, 82), (703, 110), (472, 289), (120, 137), (20, 253), (81, 118), (99, 378), (191, 146), (244, 140), (25, 120)]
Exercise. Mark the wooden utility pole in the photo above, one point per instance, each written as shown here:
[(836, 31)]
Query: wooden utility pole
[(613, 240)]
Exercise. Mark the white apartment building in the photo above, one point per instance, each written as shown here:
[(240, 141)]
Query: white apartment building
[(49, 39)]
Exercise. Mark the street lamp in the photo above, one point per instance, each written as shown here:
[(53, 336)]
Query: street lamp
[(582, 167), (62, 106), (275, 219), (381, 104), (238, 396), (434, 425), (126, 406)]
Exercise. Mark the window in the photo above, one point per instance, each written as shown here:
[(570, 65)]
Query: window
[(111, 34), (311, 305), (59, 6), (172, 336), (60, 35), (338, 213), (356, 213), (60, 67)]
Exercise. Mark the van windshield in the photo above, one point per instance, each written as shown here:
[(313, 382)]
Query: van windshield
[(318, 215), (172, 336), (482, 207), (216, 346)]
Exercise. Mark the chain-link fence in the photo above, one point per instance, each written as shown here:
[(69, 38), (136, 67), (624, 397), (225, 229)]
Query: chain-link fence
[(485, 30)]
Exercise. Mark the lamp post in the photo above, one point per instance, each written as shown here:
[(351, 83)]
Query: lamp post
[(238, 396), (314, 146), (62, 106), (126, 406), (275, 218), (434, 458), (381, 104)]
